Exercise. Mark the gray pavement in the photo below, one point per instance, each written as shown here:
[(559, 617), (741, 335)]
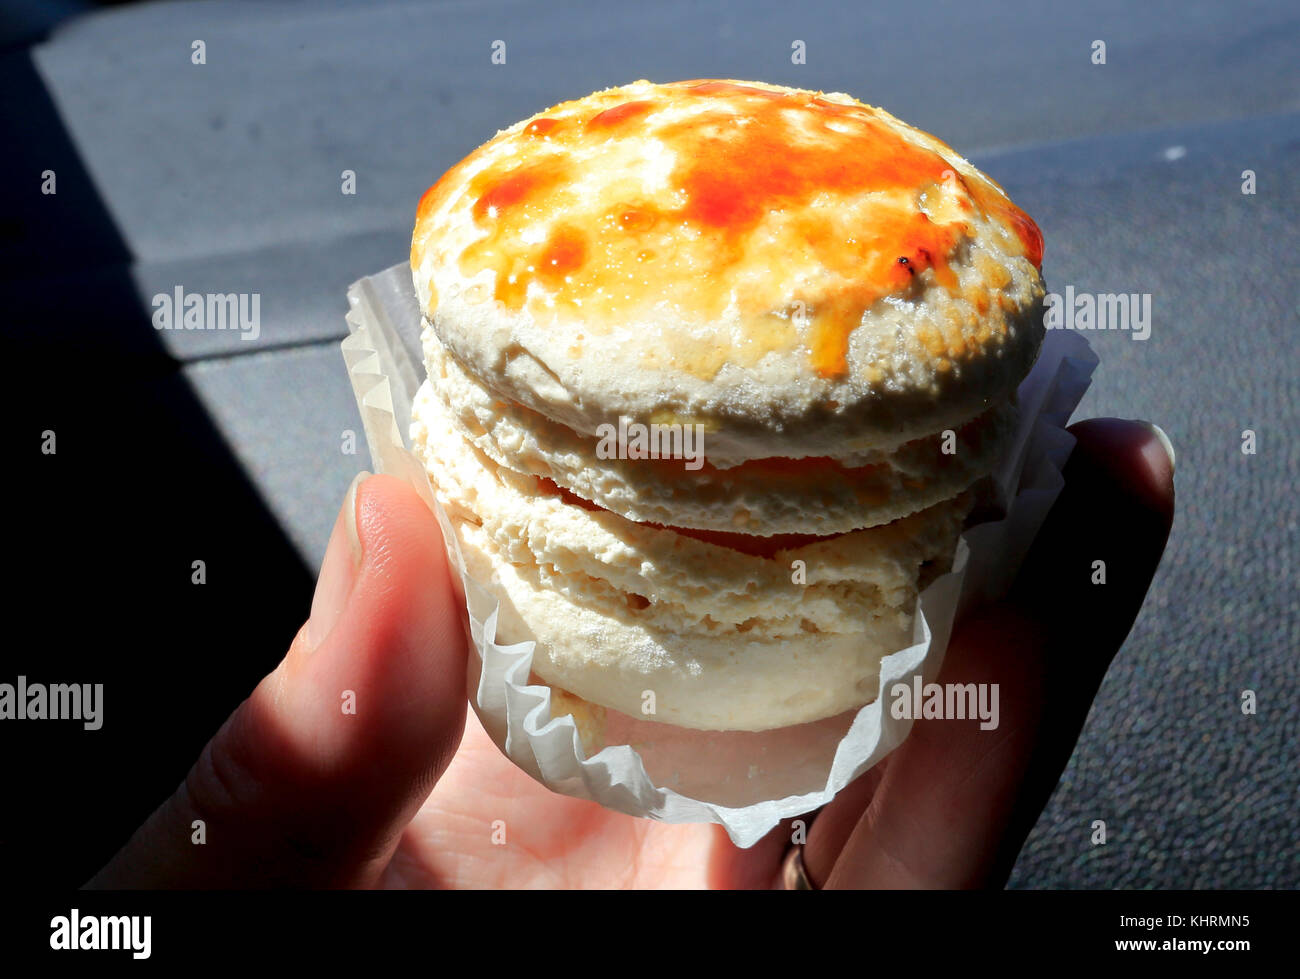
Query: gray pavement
[(226, 177)]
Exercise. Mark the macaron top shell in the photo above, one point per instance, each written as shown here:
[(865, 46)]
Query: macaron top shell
[(796, 272)]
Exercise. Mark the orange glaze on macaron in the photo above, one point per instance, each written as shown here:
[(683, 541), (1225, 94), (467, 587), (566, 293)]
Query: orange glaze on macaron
[(747, 155)]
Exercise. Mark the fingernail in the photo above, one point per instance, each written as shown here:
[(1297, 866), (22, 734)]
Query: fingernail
[(1163, 439), (338, 572)]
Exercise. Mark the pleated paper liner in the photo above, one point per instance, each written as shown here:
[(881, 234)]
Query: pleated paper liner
[(745, 781)]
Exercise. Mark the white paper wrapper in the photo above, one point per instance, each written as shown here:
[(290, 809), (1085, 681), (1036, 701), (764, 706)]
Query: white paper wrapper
[(745, 781)]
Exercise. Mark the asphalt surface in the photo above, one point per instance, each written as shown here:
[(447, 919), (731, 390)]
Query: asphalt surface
[(225, 177)]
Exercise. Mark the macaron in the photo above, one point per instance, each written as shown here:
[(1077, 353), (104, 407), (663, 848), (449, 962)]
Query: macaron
[(716, 372)]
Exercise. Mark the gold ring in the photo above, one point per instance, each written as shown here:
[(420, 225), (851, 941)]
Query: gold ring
[(794, 875)]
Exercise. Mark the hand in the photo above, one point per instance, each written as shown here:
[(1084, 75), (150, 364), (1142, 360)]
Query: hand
[(404, 792)]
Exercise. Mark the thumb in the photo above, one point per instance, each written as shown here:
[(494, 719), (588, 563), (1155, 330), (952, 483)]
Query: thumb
[(311, 781)]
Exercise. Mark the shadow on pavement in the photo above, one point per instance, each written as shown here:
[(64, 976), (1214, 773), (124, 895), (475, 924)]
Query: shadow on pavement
[(104, 532)]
